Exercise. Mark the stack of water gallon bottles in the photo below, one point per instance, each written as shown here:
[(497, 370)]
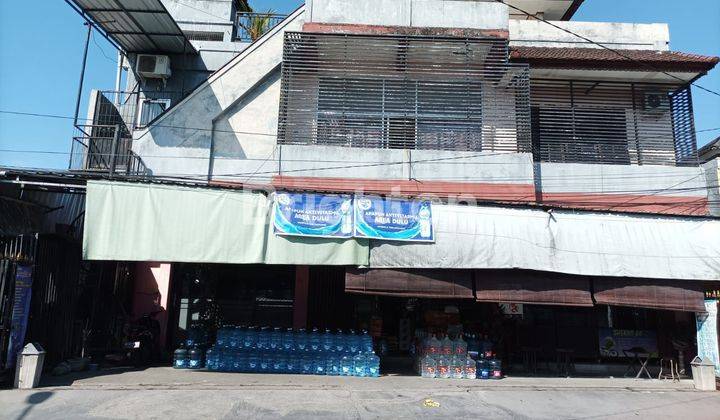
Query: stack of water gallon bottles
[(446, 358), (275, 350)]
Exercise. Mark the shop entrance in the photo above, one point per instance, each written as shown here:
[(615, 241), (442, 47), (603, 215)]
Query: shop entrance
[(208, 296)]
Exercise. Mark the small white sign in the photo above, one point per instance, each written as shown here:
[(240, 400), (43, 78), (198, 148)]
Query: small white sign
[(511, 308)]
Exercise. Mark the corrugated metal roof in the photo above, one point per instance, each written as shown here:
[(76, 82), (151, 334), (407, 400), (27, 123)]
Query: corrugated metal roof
[(142, 26)]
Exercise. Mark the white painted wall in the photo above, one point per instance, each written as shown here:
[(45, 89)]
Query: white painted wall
[(634, 36), (467, 14), (622, 179)]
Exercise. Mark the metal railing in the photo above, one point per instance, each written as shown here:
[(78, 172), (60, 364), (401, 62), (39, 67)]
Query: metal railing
[(133, 109), (250, 26), (107, 149)]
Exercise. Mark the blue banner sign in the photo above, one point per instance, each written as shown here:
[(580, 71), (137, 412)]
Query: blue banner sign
[(393, 219), (20, 312), (624, 343), (319, 215)]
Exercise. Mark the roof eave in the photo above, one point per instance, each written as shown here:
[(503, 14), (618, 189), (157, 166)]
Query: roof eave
[(572, 9)]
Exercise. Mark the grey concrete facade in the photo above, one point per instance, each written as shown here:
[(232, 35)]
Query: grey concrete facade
[(226, 130), (712, 181), (411, 13), (632, 36)]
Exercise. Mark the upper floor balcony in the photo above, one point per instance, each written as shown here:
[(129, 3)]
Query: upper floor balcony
[(249, 26), (462, 94), (104, 142)]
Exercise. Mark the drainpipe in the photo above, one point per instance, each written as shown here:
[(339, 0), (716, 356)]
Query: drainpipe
[(211, 157), (118, 77)]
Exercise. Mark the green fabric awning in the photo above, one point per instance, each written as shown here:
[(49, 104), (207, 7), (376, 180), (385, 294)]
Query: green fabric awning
[(151, 222)]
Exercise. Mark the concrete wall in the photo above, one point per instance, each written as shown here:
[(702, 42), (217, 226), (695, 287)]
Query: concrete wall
[(712, 180), (236, 108), (189, 71), (649, 188), (410, 13), (636, 36)]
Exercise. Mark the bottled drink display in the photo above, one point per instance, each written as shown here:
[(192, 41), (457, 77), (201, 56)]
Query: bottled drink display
[(264, 350), (456, 358)]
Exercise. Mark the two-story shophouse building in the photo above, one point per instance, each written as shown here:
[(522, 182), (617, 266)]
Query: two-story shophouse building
[(559, 159)]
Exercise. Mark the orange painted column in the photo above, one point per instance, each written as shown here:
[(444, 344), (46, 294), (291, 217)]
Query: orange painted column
[(300, 304), (151, 293)]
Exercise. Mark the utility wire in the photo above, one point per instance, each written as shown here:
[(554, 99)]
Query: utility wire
[(586, 39), (253, 133), (102, 51)]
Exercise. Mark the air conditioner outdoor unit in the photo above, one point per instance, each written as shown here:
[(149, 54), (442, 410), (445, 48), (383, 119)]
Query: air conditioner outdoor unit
[(153, 66), (656, 102)]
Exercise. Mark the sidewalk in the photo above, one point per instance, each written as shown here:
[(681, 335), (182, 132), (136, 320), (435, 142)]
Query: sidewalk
[(169, 378), (165, 393)]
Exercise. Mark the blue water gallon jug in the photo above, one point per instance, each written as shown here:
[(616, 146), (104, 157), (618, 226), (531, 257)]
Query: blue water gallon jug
[(180, 359)]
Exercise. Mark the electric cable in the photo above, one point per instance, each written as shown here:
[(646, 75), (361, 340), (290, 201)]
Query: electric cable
[(586, 39)]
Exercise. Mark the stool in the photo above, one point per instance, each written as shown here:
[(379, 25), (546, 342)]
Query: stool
[(669, 369), (529, 355), (565, 361)]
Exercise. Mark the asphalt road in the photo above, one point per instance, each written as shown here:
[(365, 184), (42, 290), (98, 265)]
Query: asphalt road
[(299, 403)]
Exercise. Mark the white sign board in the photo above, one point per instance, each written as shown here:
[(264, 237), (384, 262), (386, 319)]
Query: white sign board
[(511, 308)]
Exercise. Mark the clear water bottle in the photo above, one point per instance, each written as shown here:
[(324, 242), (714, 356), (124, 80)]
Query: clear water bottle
[(222, 360), (253, 364), (275, 342), (279, 363), (433, 346), (366, 342), (180, 359), (495, 366), (373, 365), (263, 339), (235, 363), (460, 347), (240, 334), (210, 358), (346, 365), (306, 365), (457, 367), (232, 338), (314, 341), (319, 364), (429, 367), (353, 343), (328, 342), (443, 367), (331, 366), (360, 365), (339, 343), (482, 369), (288, 340), (292, 364), (301, 344), (264, 365), (446, 346), (250, 339), (470, 368), (221, 338)]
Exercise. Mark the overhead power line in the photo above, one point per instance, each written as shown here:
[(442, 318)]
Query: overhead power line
[(625, 56)]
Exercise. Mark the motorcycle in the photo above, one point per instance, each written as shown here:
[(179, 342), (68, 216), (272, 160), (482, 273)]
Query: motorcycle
[(140, 342)]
